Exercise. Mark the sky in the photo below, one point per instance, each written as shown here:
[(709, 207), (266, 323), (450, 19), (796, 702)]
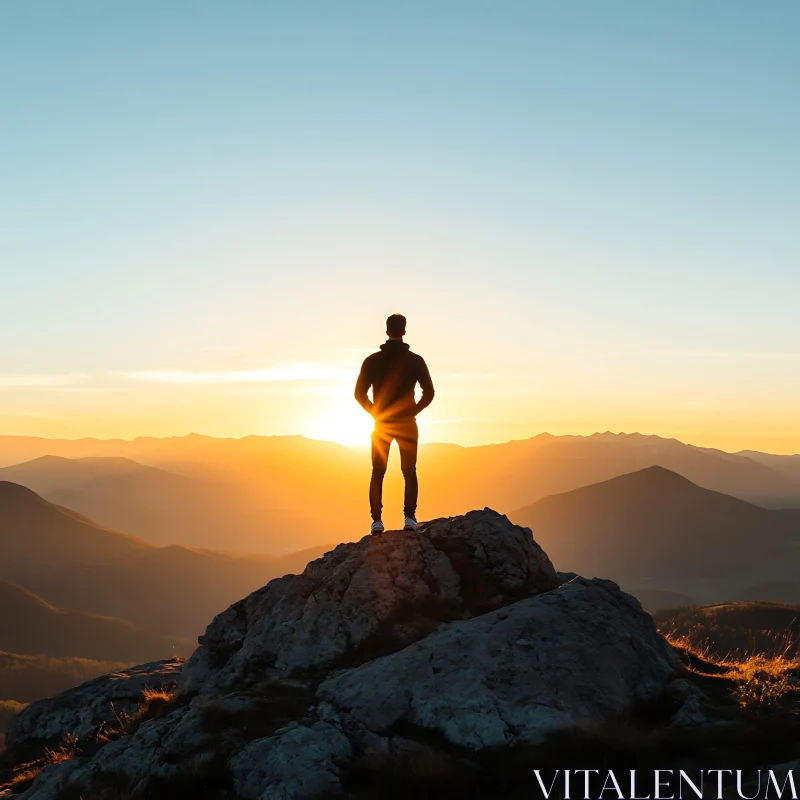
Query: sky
[(587, 211)]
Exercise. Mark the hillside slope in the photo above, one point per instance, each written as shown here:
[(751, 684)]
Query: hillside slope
[(70, 561), (32, 626), (657, 526), (736, 629), (787, 464)]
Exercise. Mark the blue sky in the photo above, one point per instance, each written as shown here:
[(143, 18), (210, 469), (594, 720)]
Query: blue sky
[(590, 206)]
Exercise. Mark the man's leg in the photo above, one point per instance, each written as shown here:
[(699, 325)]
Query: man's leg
[(380, 458), (407, 436)]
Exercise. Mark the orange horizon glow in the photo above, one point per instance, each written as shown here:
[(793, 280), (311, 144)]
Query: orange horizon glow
[(355, 434), (559, 393)]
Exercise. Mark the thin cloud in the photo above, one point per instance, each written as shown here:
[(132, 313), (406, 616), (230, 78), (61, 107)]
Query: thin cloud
[(293, 373), (489, 376), (31, 415), (296, 373), (765, 356), (22, 381), (452, 421)]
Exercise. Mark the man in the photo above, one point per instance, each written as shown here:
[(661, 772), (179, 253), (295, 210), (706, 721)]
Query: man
[(393, 373)]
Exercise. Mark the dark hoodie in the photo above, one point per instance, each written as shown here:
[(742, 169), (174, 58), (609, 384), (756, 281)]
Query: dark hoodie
[(393, 374)]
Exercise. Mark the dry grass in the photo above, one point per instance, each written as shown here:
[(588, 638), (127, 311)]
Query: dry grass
[(761, 681), (154, 703), (738, 629), (66, 751), (25, 775)]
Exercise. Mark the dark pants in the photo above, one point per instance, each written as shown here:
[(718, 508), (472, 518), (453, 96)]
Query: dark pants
[(405, 433)]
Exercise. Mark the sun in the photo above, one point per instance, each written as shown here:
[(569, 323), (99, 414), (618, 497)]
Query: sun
[(346, 424)]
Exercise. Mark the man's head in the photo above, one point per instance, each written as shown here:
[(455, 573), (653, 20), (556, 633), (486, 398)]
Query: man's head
[(396, 326)]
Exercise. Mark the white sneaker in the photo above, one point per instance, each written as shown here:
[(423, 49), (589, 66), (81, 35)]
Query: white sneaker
[(377, 527), (411, 524)]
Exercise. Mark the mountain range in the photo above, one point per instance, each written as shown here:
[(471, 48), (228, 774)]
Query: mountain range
[(277, 494)]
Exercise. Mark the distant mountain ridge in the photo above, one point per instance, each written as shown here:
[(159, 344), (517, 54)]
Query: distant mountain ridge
[(77, 471), (787, 464), (657, 526), (276, 494)]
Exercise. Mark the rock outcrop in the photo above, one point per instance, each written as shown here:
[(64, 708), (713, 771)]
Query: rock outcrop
[(462, 631), (299, 762), (370, 598), (83, 712), (579, 655)]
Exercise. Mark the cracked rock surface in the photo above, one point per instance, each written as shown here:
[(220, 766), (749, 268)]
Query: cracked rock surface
[(298, 762), (367, 598), (578, 655)]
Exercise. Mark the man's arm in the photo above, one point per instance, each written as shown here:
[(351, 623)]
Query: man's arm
[(426, 384), (362, 387)]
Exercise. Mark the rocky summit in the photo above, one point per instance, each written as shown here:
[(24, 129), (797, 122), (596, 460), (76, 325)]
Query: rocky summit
[(460, 637), (370, 598)]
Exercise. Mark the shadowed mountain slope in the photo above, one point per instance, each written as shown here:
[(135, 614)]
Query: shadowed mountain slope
[(70, 561), (787, 464), (31, 530), (32, 626), (654, 600), (775, 591), (655, 524)]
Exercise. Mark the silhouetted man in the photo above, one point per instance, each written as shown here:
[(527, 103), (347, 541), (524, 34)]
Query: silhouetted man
[(393, 373)]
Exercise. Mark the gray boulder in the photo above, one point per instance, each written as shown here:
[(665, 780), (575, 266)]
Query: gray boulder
[(695, 706), (369, 598), (296, 763), (158, 749), (582, 654), (53, 781), (83, 711)]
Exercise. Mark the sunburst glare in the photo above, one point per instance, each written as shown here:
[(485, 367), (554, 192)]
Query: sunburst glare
[(343, 422)]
